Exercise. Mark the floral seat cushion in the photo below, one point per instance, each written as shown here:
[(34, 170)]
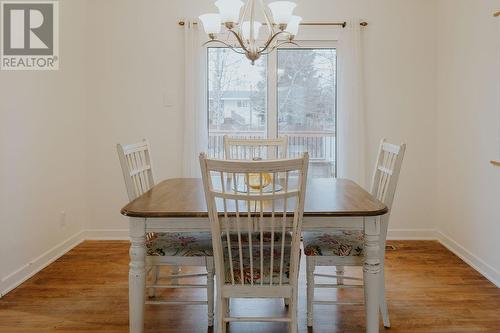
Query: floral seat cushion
[(259, 276), (265, 276), (339, 244), (267, 237), (180, 244)]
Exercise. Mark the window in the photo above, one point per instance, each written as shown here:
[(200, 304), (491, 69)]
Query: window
[(232, 79), (292, 92)]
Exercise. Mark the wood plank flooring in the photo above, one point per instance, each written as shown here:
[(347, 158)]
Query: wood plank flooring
[(429, 290)]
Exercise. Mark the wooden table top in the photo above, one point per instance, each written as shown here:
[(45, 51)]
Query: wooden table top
[(184, 197)]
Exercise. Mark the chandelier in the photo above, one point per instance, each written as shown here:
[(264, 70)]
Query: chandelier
[(281, 29)]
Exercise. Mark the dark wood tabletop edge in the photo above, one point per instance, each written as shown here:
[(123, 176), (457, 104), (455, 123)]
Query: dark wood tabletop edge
[(127, 212), (131, 213)]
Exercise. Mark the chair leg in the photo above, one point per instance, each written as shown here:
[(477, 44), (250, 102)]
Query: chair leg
[(155, 274), (384, 310), (383, 301), (292, 308), (311, 266), (340, 272), (210, 291), (221, 313)]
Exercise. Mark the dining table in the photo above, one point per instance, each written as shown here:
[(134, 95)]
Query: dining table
[(178, 205)]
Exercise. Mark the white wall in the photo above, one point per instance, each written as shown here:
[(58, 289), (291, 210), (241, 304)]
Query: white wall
[(468, 130), (139, 63), (42, 155), (138, 69)]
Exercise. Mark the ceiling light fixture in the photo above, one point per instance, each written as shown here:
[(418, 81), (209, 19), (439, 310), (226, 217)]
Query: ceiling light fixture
[(245, 28)]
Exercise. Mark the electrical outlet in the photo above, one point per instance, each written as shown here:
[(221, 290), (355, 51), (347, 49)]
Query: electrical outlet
[(62, 219)]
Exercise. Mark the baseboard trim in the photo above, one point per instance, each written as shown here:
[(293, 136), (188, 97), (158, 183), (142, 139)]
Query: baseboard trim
[(411, 234), (472, 260), (18, 277)]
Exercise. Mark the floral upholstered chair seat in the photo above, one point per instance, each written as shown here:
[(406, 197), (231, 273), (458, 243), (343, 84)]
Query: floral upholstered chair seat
[(339, 243), (265, 275), (258, 275), (266, 238), (180, 244)]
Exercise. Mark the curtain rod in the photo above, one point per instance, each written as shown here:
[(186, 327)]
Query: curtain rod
[(342, 24)]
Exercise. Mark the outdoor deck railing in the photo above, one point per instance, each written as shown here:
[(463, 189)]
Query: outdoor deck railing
[(321, 146)]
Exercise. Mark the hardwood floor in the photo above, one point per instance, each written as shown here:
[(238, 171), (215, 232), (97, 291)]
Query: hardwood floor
[(429, 290)]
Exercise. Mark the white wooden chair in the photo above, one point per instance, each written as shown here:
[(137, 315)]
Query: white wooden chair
[(346, 247), (167, 249), (256, 234), (250, 149)]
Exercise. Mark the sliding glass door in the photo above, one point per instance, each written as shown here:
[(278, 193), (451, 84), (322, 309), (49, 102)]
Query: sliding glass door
[(292, 92), (306, 105)]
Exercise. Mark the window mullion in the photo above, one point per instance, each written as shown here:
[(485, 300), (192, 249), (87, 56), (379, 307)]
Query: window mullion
[(272, 95)]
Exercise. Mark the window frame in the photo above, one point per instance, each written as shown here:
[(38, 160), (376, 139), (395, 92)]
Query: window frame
[(272, 85)]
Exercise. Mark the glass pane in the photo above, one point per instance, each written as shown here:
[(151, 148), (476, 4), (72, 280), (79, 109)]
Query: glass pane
[(307, 87), (237, 96)]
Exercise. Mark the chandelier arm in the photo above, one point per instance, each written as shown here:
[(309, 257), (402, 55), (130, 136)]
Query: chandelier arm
[(277, 46), (290, 42), (240, 41), (223, 43), (271, 40)]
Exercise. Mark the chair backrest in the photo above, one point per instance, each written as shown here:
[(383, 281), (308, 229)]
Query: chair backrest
[(249, 149), (256, 233), (135, 160), (387, 169)]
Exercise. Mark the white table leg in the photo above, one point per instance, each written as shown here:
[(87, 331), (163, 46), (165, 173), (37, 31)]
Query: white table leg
[(137, 274), (371, 272)]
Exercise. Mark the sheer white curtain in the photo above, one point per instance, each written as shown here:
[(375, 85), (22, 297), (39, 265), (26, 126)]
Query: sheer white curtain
[(195, 92), (498, 85), (351, 125)]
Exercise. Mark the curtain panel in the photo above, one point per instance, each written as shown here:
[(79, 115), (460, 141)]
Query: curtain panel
[(351, 117), (195, 99)]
